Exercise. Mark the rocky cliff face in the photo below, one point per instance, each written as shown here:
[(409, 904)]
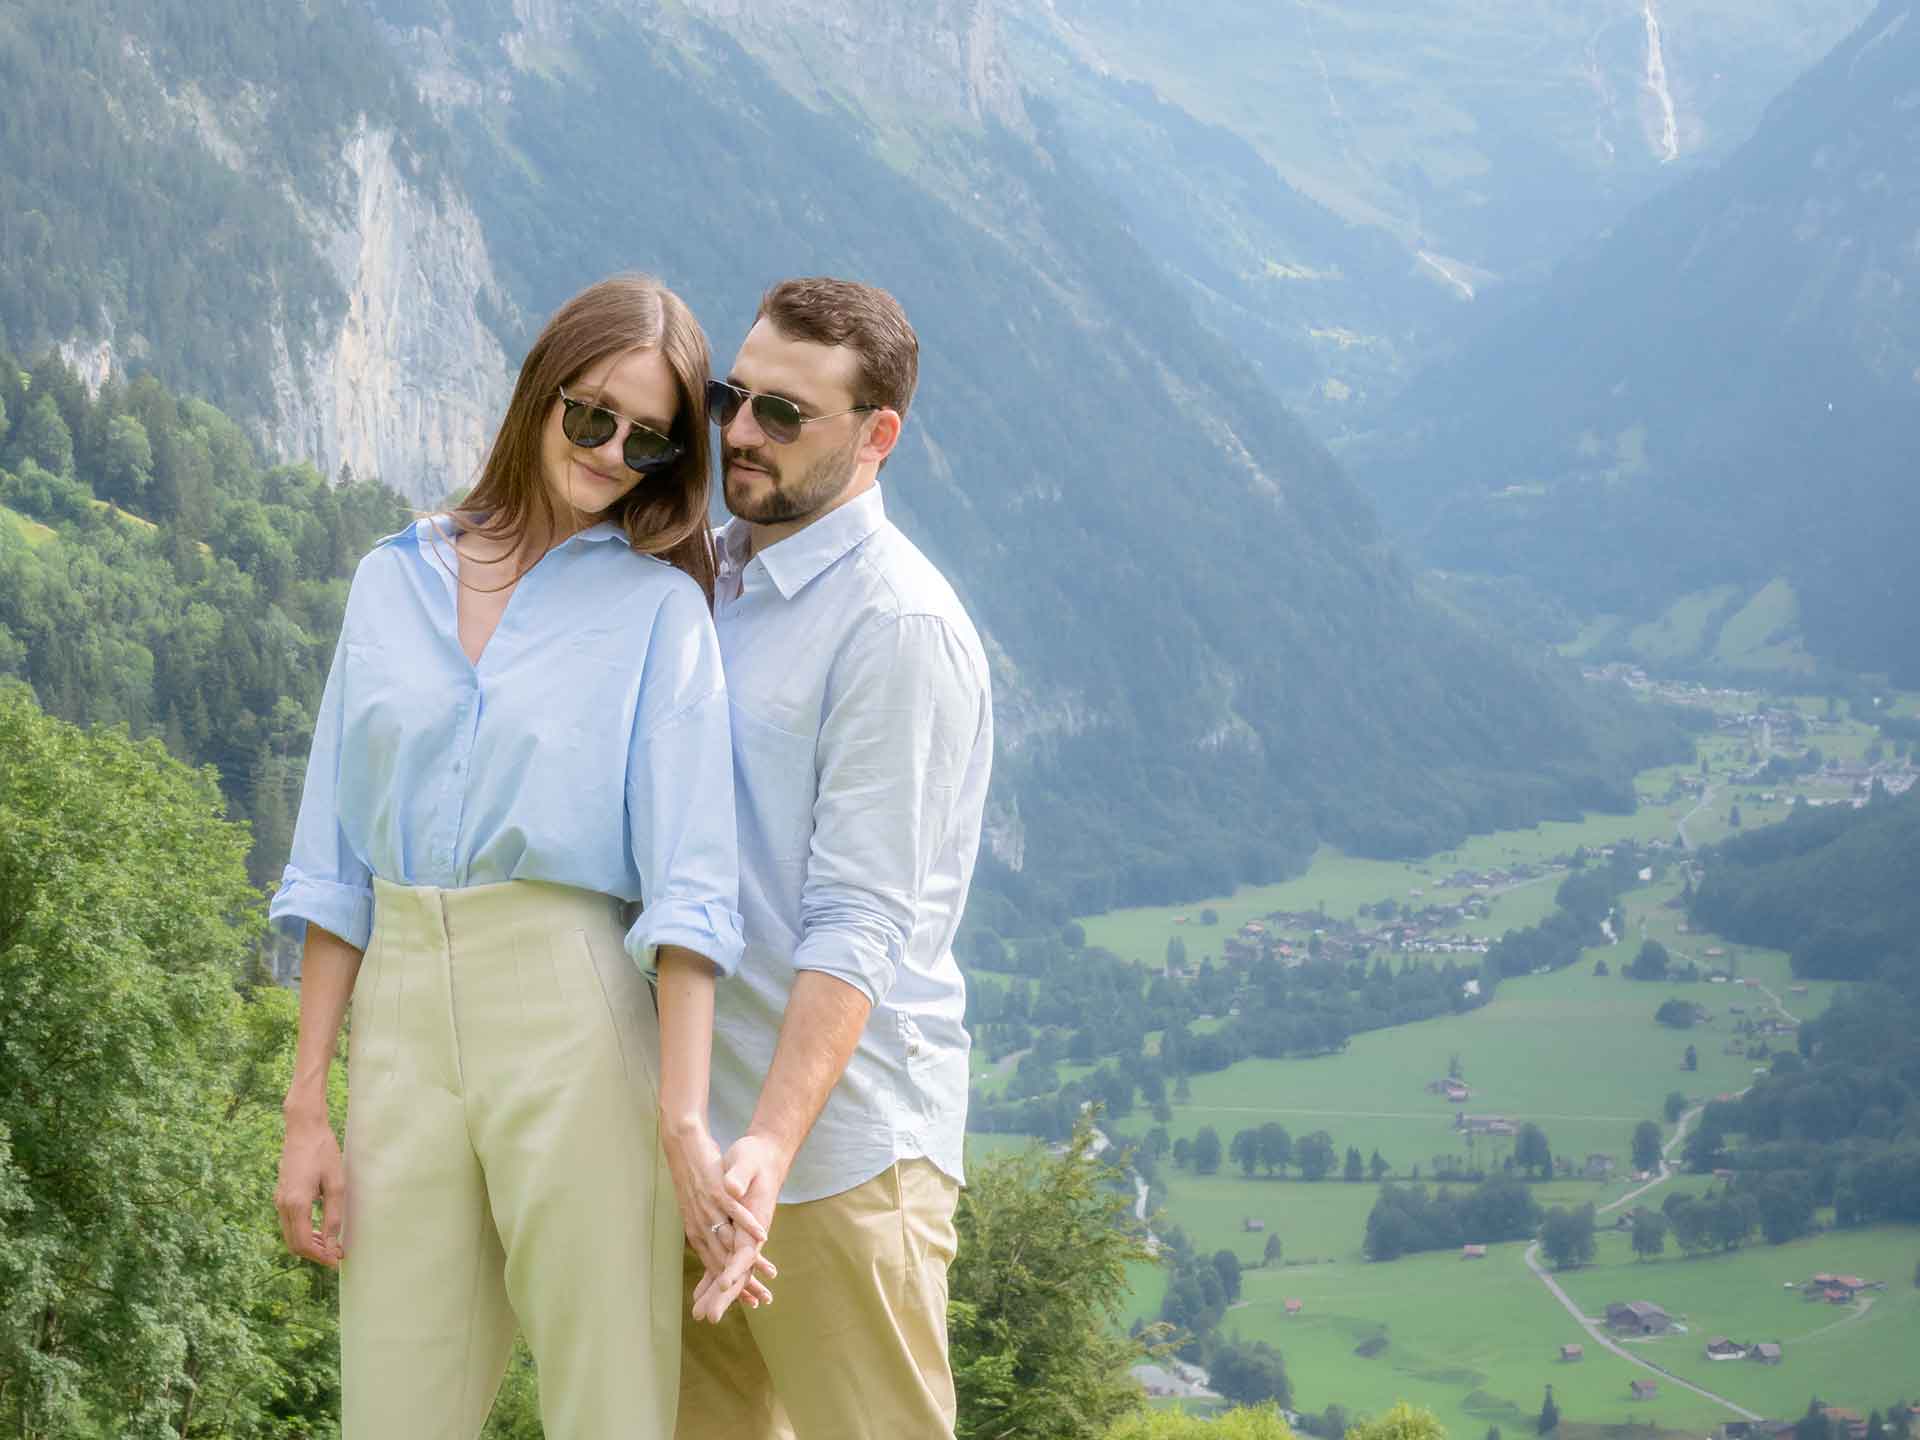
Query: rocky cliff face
[(410, 380)]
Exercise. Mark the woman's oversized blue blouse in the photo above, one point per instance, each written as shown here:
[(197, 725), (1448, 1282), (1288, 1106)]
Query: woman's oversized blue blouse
[(589, 747)]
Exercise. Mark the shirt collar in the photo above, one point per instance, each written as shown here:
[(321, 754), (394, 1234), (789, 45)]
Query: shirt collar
[(800, 559)]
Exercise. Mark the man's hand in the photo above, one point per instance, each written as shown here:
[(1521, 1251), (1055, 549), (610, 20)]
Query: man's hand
[(756, 1168), (311, 1169), (717, 1224)]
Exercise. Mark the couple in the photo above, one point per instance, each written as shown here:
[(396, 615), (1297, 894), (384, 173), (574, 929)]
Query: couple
[(564, 697)]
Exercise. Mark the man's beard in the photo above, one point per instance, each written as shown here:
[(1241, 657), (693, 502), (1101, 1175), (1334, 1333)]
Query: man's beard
[(816, 488)]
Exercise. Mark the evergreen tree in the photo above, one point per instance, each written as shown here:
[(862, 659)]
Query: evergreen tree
[(1549, 1415)]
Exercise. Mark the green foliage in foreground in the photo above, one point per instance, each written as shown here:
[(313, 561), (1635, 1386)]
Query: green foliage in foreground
[(1045, 1241), (144, 1288), (1261, 1423)]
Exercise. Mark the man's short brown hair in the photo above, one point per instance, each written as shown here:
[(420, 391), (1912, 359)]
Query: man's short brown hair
[(865, 319)]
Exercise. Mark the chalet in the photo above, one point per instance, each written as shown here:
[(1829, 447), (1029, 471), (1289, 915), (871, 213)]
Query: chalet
[(1484, 1124), (1766, 1353), (1638, 1317), (1253, 1225), (1643, 1389), (1473, 1252), (1573, 1352), (1851, 1422), (1721, 1348), (1292, 1307), (1600, 1167)]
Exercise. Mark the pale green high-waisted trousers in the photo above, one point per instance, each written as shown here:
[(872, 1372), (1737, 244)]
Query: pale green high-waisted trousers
[(504, 1166)]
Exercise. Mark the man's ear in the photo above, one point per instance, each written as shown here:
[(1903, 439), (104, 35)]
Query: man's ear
[(882, 437)]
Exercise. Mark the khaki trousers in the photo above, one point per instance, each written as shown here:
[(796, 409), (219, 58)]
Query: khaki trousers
[(855, 1345), (504, 1167)]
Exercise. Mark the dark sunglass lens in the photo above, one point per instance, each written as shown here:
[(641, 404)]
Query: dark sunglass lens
[(723, 402), (646, 450), (779, 419), (588, 425)]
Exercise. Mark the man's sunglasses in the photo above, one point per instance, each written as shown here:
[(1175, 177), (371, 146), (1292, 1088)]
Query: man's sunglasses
[(779, 418), (590, 426)]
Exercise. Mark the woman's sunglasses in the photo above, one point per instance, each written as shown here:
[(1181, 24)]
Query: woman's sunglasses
[(779, 418), (590, 426)]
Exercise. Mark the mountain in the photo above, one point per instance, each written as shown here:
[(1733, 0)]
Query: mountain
[(1206, 661), (1346, 190), (1718, 403)]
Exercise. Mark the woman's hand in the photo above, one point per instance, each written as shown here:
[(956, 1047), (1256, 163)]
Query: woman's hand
[(721, 1229), (311, 1170)]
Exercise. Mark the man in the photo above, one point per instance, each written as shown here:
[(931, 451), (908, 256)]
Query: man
[(863, 737)]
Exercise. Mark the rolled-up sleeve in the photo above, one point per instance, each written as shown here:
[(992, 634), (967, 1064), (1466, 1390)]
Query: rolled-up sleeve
[(904, 707), (680, 813), (325, 882)]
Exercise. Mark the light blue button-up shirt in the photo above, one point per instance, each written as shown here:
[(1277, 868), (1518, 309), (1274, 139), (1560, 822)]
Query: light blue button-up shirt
[(863, 740), (589, 747)]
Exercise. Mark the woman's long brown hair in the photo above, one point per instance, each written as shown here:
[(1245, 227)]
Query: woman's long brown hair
[(666, 513)]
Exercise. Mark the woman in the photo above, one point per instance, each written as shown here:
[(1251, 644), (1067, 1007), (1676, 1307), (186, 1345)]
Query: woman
[(524, 728)]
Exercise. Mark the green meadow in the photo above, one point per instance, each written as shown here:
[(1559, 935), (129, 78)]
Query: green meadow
[(1859, 1356), (1581, 1056)]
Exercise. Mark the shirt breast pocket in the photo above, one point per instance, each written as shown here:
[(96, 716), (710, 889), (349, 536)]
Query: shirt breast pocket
[(775, 791)]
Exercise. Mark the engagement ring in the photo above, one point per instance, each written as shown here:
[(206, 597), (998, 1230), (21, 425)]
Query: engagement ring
[(718, 1226)]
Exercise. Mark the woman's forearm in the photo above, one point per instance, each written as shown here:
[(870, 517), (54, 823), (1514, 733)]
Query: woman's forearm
[(328, 968), (686, 1037)]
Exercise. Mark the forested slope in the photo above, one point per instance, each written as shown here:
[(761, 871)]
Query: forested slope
[(1838, 887), (155, 573)]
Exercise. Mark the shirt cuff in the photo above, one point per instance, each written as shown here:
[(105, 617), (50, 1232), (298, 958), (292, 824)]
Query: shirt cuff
[(859, 959), (346, 910), (709, 930)]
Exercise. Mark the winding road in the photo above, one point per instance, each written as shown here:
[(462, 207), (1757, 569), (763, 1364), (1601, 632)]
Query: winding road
[(1667, 1172)]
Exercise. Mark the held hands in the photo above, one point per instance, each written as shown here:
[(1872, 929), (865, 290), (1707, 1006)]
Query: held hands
[(722, 1229), (756, 1168), (311, 1170)]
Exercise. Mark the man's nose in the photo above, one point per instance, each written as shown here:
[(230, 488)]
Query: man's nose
[(744, 432)]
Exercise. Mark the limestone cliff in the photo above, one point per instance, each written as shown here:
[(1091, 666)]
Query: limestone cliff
[(411, 379)]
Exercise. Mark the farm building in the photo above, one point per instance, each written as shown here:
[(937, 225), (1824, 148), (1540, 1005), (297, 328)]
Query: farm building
[(1573, 1352), (1767, 1353), (1643, 1389), (1600, 1167), (1638, 1317), (1721, 1348), (1252, 1225), (1473, 1252), (1293, 1307)]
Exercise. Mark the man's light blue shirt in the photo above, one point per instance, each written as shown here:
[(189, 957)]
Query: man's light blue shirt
[(863, 737), (589, 747)]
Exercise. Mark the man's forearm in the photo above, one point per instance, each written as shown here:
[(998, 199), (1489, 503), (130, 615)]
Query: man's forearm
[(818, 1035)]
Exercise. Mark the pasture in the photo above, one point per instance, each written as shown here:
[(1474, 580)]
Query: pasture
[(1581, 1056)]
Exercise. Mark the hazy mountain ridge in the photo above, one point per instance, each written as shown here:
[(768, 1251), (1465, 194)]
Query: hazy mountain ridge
[(1724, 391), (1206, 663)]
